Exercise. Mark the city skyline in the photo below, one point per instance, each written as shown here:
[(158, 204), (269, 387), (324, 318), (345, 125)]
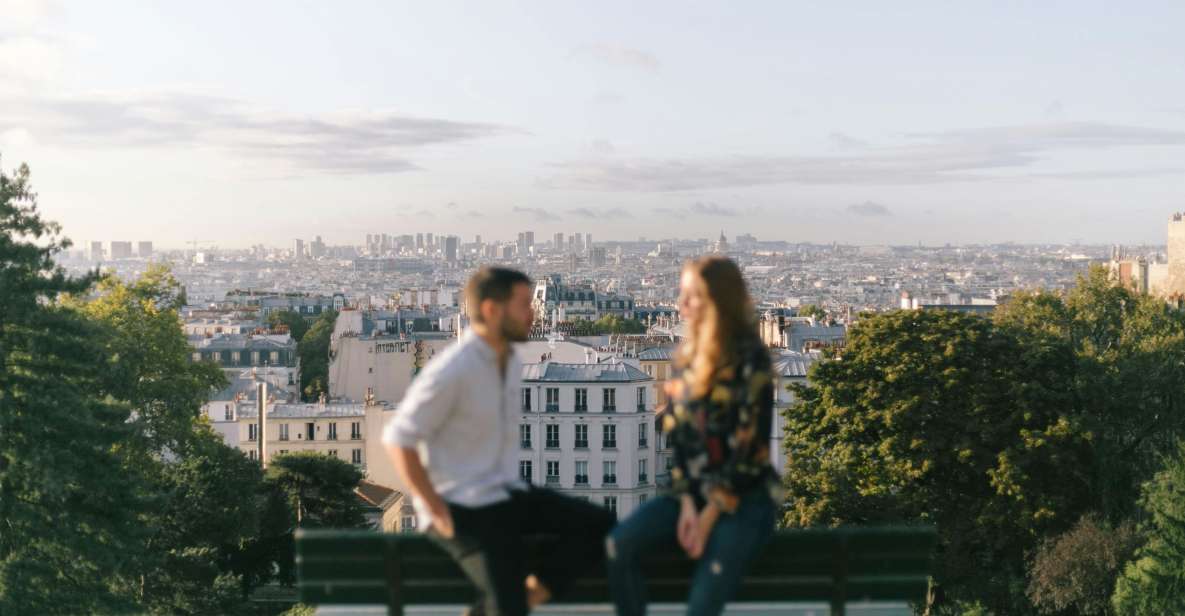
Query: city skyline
[(863, 125)]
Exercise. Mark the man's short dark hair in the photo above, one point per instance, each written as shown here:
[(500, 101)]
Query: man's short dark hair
[(496, 283)]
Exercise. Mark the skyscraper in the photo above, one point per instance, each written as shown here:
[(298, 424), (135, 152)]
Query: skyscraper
[(419, 241), (588, 241), (145, 250), (96, 251), (530, 239), (121, 250), (558, 241), (298, 250), (450, 248)]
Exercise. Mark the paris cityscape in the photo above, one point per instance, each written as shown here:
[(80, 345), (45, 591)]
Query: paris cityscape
[(509, 308)]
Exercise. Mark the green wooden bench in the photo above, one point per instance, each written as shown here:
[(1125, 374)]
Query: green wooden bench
[(834, 565)]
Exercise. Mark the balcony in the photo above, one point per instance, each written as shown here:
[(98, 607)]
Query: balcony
[(609, 408), (552, 480), (581, 445), (641, 408), (552, 408), (609, 481), (642, 479), (581, 408), (553, 444), (582, 480), (524, 444)]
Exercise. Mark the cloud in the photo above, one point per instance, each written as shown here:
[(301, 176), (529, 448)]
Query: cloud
[(341, 142), (868, 209), (615, 212), (846, 142), (616, 55), (540, 214), (974, 155), (711, 209), (702, 209), (474, 214)]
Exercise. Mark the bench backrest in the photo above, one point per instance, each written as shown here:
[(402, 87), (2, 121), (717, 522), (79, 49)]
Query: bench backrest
[(836, 565)]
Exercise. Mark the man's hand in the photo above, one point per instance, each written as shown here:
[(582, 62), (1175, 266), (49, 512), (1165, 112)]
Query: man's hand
[(686, 529), (703, 530), (442, 519)]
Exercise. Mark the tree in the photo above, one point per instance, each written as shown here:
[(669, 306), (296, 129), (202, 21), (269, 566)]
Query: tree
[(942, 418), (148, 361), (313, 349), (1076, 570), (613, 324), (1154, 583), (813, 310), (296, 324), (319, 489), (68, 512)]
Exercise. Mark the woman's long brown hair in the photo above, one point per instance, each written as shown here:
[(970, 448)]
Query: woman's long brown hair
[(728, 319)]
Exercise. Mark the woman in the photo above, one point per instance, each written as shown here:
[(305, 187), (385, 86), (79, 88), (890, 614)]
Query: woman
[(720, 510)]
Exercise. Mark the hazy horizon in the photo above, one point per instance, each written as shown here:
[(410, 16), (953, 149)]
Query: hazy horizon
[(865, 125)]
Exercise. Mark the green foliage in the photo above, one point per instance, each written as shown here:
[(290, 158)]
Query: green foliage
[(1154, 583), (148, 357), (608, 324), (296, 324), (1076, 570), (319, 489), (1002, 432), (313, 349), (68, 512), (812, 310)]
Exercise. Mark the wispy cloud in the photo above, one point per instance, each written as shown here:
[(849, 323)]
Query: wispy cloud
[(845, 141), (540, 214), (928, 158), (608, 213), (369, 142), (707, 209), (617, 55), (868, 209)]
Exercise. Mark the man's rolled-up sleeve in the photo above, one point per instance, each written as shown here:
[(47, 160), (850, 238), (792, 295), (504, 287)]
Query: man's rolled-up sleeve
[(425, 407)]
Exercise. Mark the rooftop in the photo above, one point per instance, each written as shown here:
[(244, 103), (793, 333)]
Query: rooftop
[(555, 372)]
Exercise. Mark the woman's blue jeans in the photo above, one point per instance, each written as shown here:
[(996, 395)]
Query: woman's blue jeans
[(735, 540)]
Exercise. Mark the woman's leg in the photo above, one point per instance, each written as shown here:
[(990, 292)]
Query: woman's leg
[(735, 541), (651, 527)]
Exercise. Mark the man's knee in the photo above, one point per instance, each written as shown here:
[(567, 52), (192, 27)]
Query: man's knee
[(620, 546)]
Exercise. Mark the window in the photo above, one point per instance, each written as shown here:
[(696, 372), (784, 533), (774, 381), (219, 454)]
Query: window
[(553, 471), (355, 430), (234, 357), (582, 472), (643, 476), (283, 451), (228, 414), (553, 400), (582, 436), (254, 358), (641, 499), (553, 436), (332, 453), (275, 357), (283, 432), (581, 400), (649, 370), (641, 399), (356, 456), (408, 524), (611, 503), (524, 470), (670, 463), (609, 477), (609, 436), (309, 429), (251, 454), (524, 436), (609, 400), (252, 431), (526, 398), (641, 436), (332, 431), (197, 357)]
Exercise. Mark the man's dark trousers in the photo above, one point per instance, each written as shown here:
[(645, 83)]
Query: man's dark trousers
[(491, 545)]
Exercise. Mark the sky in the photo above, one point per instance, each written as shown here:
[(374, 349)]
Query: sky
[(243, 123)]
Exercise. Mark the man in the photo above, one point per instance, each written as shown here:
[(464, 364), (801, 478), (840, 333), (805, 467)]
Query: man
[(454, 442)]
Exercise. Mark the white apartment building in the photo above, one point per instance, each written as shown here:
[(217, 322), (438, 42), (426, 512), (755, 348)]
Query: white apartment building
[(588, 431)]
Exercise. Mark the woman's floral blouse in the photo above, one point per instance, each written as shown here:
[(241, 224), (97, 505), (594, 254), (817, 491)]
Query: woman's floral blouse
[(721, 440)]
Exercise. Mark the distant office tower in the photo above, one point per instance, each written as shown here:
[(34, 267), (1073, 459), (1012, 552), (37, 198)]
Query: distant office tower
[(450, 248), (121, 250), (96, 251), (145, 250), (577, 243), (428, 240), (572, 243), (588, 241), (558, 241), (419, 241), (597, 256), (298, 250), (530, 239), (477, 240)]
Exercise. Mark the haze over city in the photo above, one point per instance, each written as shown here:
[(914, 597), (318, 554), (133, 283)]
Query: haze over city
[(868, 124)]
